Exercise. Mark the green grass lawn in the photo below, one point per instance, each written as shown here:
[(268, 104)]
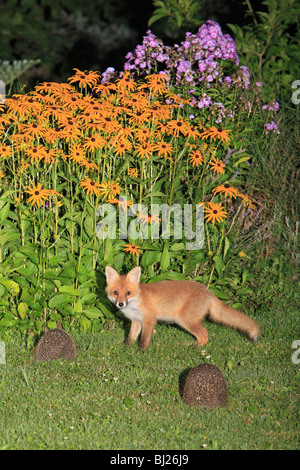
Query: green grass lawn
[(118, 397)]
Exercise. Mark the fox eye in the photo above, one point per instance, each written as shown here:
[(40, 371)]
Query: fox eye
[(128, 292), (115, 292)]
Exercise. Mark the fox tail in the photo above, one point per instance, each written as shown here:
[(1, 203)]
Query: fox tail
[(232, 318)]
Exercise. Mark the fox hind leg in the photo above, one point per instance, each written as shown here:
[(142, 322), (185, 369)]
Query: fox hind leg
[(196, 329)]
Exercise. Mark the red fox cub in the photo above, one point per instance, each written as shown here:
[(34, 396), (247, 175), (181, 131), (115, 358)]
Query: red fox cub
[(186, 303)]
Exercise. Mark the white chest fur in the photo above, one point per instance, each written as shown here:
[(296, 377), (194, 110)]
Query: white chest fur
[(132, 311)]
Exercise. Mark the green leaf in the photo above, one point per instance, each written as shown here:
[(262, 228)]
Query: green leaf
[(92, 312), (30, 253), (22, 309), (4, 212), (219, 265), (69, 290), (165, 258), (226, 246), (59, 300), (12, 287)]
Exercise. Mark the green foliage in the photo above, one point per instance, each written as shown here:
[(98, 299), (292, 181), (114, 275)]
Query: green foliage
[(269, 45), (180, 14)]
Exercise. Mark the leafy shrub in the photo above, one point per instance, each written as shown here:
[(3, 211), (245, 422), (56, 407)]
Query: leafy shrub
[(66, 148)]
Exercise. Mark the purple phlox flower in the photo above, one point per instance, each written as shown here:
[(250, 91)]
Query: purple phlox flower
[(271, 126)]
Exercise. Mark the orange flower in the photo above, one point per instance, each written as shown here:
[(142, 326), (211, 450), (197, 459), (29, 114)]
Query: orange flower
[(125, 83), (77, 153), (213, 132), (84, 78), (88, 164), (36, 153), (145, 219), (94, 142), (138, 117), (91, 187), (105, 88), (215, 212), (109, 189), (246, 200), (5, 151), (217, 166), (132, 248), (227, 190), (132, 172), (122, 145), (177, 127), (196, 158), (38, 195), (164, 149), (144, 150), (143, 133)]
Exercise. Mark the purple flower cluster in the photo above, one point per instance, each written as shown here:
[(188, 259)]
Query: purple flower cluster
[(196, 59), (271, 126)]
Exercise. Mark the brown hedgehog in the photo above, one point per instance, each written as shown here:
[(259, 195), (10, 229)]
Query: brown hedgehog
[(55, 344), (205, 386)]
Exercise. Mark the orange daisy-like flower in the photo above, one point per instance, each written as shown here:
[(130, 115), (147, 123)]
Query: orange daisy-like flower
[(38, 194), (164, 149), (5, 151), (94, 142), (148, 219), (177, 127), (125, 83), (88, 164), (144, 150), (34, 129), (77, 153), (105, 88), (136, 100), (132, 248), (84, 78), (122, 202), (138, 117), (122, 145), (246, 200), (35, 154), (215, 212), (196, 158), (214, 133), (132, 172), (50, 155), (227, 190), (91, 187), (143, 133), (160, 111), (109, 189), (217, 166)]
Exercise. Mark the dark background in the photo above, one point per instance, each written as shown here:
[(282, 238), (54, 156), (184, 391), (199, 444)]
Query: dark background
[(91, 34)]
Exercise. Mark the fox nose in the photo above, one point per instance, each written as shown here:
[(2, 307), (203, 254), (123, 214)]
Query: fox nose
[(120, 304)]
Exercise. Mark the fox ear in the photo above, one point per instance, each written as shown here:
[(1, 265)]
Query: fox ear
[(134, 275), (111, 274)]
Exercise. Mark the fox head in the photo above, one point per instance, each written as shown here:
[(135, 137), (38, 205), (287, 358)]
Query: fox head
[(121, 290)]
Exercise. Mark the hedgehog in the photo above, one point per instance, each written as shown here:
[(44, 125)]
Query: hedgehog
[(205, 386), (55, 344)]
